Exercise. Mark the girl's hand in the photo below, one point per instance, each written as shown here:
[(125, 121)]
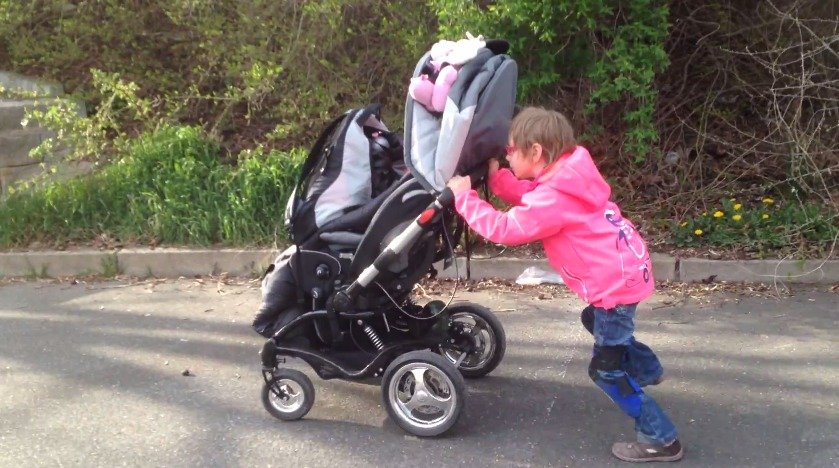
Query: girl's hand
[(460, 184), (492, 167)]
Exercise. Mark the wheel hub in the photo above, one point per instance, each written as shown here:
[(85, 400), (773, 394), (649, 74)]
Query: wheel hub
[(286, 395), (473, 343), (422, 395)]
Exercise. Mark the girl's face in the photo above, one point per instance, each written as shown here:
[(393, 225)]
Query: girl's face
[(525, 163)]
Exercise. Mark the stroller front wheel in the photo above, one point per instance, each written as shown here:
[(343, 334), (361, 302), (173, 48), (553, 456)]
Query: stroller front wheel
[(289, 395), (423, 393)]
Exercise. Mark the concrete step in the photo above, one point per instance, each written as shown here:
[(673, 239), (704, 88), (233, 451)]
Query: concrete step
[(12, 111), (63, 170), (10, 175), (16, 142), (19, 83), (174, 262), (15, 145)]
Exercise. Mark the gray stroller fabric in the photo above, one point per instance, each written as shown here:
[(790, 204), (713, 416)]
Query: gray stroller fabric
[(473, 126), (351, 186)]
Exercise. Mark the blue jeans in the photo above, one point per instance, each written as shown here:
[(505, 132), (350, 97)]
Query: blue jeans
[(616, 327)]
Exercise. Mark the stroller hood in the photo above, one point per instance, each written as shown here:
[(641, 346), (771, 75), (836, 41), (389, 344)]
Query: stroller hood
[(473, 126)]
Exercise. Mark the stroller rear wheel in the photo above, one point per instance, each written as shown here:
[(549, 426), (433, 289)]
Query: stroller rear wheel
[(289, 395), (477, 340), (423, 393)]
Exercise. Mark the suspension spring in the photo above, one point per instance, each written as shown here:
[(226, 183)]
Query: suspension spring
[(374, 337)]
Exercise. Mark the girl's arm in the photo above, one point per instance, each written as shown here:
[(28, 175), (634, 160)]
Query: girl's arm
[(535, 218), (508, 187)]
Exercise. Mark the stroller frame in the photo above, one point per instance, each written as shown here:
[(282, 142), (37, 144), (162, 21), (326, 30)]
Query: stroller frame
[(422, 365)]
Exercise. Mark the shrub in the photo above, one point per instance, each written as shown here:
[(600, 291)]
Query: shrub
[(169, 188)]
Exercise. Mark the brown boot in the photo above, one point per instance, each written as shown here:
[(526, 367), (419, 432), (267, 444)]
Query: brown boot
[(637, 452)]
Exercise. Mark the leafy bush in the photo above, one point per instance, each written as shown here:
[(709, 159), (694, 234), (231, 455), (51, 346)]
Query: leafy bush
[(169, 188), (279, 65), (100, 134), (749, 104), (733, 114)]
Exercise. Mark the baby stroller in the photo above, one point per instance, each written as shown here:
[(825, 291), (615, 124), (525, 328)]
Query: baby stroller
[(368, 221)]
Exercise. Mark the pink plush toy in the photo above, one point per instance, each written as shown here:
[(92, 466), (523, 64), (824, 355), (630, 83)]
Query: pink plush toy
[(430, 92)]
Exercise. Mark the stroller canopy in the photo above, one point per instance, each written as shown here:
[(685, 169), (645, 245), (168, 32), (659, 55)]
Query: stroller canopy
[(473, 126)]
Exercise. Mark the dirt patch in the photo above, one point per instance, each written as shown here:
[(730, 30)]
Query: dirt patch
[(534, 251), (679, 291)]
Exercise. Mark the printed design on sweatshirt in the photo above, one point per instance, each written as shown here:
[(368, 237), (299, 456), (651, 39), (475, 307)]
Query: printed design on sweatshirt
[(629, 242)]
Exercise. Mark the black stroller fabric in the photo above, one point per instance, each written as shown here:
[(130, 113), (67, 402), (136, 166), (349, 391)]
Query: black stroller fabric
[(351, 168), (279, 297)]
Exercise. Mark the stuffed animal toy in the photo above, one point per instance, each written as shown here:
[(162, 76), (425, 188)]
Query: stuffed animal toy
[(432, 86), (457, 53), (431, 89)]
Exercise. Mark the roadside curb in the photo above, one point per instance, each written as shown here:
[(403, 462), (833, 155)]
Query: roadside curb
[(173, 263), (664, 267)]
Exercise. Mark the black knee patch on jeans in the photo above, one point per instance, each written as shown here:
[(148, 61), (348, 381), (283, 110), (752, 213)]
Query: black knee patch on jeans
[(606, 358), (587, 317), (610, 358)]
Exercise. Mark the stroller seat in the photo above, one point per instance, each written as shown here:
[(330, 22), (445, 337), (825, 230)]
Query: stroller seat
[(348, 230)]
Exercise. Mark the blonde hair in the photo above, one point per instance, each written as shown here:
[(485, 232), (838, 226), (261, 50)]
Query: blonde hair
[(548, 128)]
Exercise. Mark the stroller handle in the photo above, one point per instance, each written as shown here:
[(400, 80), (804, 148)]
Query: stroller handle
[(343, 300)]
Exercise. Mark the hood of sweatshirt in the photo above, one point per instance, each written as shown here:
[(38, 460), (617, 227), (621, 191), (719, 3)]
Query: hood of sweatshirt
[(575, 175)]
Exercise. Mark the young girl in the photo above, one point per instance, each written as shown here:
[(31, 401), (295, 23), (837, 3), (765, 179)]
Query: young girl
[(560, 199)]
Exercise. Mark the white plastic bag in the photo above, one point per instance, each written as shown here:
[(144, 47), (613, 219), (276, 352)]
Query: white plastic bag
[(536, 275)]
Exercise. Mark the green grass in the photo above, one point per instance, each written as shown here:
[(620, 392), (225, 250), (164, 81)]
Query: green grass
[(169, 188)]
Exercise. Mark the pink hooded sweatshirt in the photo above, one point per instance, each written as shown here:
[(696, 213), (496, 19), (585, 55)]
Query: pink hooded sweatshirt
[(597, 252)]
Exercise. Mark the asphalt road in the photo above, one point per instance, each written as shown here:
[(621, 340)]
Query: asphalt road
[(91, 375)]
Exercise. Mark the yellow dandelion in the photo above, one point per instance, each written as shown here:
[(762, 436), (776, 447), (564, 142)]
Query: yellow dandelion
[(698, 232), (683, 224), (765, 216), (718, 214), (768, 201), (736, 217), (738, 206)]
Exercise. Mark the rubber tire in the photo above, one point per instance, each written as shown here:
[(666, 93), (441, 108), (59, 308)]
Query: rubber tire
[(308, 395), (495, 327), (446, 367)]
